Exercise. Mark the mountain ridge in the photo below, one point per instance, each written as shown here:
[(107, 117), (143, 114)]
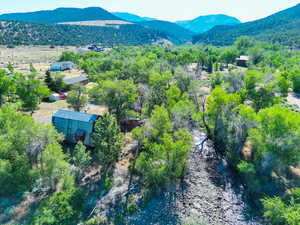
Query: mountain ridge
[(204, 23), (130, 17), (282, 27), (61, 15), (23, 33), (176, 33)]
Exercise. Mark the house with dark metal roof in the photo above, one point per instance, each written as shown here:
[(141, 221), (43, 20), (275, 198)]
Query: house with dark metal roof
[(71, 81), (75, 126), (76, 80)]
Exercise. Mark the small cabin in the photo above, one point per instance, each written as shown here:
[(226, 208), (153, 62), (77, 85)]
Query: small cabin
[(75, 126), (62, 66), (243, 61), (70, 82)]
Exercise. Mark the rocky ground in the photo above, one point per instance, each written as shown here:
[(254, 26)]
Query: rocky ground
[(294, 99), (209, 192)]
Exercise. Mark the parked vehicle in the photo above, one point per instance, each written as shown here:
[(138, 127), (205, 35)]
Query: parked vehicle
[(57, 96)]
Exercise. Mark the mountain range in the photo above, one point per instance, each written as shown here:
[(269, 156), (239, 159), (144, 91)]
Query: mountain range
[(282, 27), (176, 33), (194, 26), (45, 27)]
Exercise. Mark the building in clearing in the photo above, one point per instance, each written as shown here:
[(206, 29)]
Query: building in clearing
[(75, 126), (243, 61), (62, 66), (70, 82)]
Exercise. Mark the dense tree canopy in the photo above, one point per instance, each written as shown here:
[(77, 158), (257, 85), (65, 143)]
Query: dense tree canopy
[(165, 94)]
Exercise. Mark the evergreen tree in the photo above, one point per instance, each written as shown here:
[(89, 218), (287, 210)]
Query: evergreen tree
[(81, 158), (77, 98), (107, 139)]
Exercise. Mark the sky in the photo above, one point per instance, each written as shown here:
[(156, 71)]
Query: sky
[(171, 10)]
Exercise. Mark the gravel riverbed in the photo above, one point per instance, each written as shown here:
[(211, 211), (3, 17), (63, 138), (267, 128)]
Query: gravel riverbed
[(209, 192)]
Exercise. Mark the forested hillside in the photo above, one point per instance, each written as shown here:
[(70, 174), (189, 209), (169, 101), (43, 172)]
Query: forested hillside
[(282, 27), (205, 23), (174, 32), (21, 33), (61, 15), (131, 17)]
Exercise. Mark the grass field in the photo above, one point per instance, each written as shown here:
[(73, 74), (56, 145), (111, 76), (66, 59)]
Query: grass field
[(46, 110), (40, 56)]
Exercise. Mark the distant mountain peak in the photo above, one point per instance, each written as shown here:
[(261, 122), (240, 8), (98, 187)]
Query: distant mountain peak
[(281, 27), (202, 24), (176, 33)]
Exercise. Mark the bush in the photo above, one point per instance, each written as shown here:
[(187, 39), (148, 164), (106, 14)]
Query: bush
[(295, 78), (132, 209), (279, 212), (108, 183), (62, 208), (96, 221)]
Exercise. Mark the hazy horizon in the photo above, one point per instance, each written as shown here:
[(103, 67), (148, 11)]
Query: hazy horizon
[(163, 10)]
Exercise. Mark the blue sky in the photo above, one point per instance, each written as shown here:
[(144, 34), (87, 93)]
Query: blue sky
[(245, 10)]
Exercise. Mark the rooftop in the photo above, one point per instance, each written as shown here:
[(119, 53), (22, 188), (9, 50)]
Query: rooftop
[(66, 63), (244, 57), (74, 80), (78, 116)]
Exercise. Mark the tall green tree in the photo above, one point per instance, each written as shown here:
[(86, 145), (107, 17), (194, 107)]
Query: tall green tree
[(31, 91), (78, 98), (119, 96), (165, 153), (243, 44), (107, 139), (180, 106), (159, 83), (229, 55), (54, 166), (294, 76), (55, 81), (81, 159), (7, 87), (277, 139), (22, 146)]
